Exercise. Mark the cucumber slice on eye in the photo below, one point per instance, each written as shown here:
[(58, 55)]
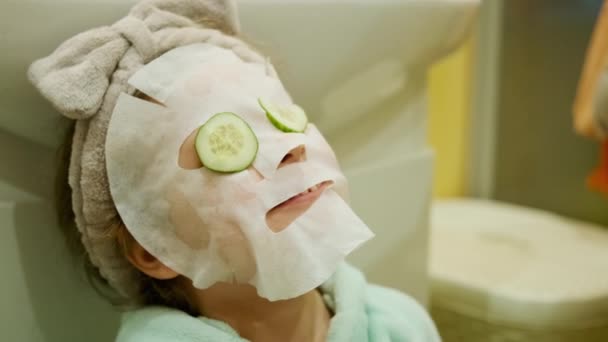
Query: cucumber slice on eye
[(288, 119), (226, 143)]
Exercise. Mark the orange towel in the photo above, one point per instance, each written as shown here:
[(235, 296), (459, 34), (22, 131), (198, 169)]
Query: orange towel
[(585, 119)]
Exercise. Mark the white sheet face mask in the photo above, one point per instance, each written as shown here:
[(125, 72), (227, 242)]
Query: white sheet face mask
[(212, 227)]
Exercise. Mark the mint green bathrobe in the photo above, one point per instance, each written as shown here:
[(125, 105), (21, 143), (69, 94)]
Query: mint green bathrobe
[(362, 313)]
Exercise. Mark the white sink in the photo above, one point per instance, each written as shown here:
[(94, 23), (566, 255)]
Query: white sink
[(358, 67)]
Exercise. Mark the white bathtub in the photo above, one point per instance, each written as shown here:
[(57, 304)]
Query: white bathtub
[(358, 67)]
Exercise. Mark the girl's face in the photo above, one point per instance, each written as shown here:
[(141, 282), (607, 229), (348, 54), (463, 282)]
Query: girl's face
[(281, 224)]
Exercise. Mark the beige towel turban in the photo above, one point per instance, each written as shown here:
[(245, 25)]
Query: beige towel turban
[(83, 77)]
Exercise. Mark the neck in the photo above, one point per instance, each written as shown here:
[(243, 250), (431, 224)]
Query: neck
[(303, 318)]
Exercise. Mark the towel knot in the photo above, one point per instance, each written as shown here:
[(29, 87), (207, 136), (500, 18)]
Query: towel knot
[(138, 35)]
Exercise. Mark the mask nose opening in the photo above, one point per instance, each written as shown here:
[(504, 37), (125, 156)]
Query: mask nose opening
[(295, 155)]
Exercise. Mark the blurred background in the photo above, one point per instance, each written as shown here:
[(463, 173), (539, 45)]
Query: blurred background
[(518, 235), (509, 90), (452, 119)]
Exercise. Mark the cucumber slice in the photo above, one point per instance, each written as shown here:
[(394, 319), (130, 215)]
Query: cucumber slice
[(226, 143), (288, 119)]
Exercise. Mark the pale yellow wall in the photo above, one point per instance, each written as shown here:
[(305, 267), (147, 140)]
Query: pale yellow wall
[(449, 107)]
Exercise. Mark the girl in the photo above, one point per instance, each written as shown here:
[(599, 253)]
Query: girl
[(207, 205)]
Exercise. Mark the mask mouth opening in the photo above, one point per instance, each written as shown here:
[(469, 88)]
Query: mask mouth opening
[(283, 214)]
